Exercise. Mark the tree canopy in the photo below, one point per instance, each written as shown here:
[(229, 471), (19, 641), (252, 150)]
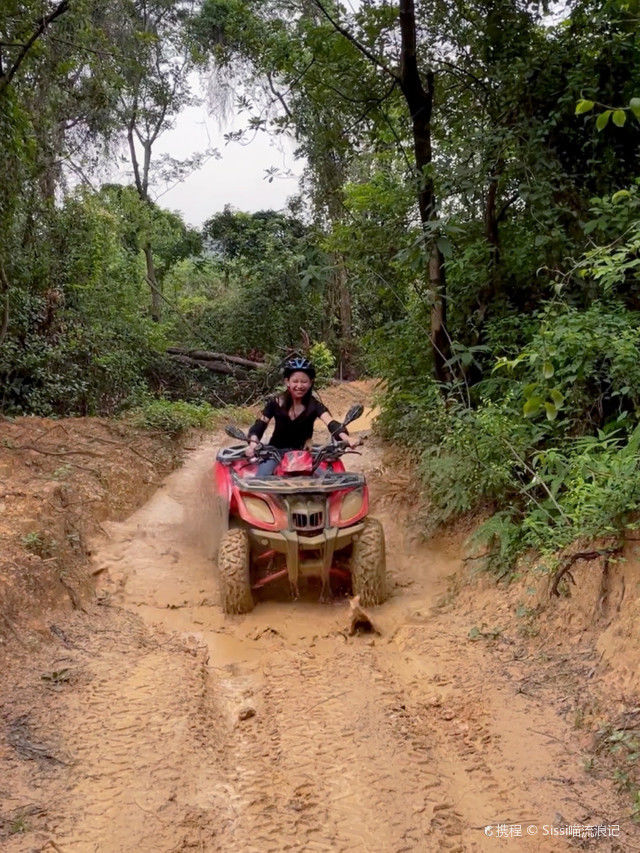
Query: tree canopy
[(467, 228)]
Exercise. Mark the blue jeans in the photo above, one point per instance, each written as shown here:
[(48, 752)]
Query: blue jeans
[(267, 467)]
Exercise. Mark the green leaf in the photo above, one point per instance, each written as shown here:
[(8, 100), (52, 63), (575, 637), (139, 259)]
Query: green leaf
[(584, 106), (619, 195), (444, 244), (619, 118), (634, 106), (548, 370), (532, 407), (557, 398), (552, 412), (603, 119)]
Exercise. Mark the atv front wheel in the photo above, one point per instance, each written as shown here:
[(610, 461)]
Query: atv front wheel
[(368, 565), (233, 568)]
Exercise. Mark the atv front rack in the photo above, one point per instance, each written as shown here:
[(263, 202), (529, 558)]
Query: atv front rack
[(299, 485)]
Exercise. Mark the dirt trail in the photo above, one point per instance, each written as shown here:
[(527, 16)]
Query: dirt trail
[(277, 730)]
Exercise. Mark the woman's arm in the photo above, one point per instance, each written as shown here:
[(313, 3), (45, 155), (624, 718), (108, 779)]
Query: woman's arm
[(343, 435), (257, 431)]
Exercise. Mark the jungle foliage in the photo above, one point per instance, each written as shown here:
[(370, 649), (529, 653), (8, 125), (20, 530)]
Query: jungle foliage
[(468, 228)]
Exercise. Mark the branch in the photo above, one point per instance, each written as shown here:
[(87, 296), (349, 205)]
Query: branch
[(101, 52), (364, 50), (60, 9), (75, 167), (506, 206), (279, 96), (58, 452), (372, 104), (463, 72), (399, 143), (300, 76)]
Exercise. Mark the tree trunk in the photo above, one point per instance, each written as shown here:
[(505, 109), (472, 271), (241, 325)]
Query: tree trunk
[(343, 300), (491, 223), (141, 177), (207, 355), (334, 178), (4, 293), (156, 298), (419, 99)]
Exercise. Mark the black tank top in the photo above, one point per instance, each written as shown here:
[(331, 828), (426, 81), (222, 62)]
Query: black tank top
[(292, 434)]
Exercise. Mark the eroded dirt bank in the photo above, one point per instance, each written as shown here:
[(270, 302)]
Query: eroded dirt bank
[(154, 723), (58, 480)]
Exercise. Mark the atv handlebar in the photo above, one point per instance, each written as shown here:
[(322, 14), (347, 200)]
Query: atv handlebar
[(228, 455), (320, 453)]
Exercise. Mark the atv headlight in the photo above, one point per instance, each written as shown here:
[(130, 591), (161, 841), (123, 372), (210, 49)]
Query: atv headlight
[(259, 509), (351, 504)]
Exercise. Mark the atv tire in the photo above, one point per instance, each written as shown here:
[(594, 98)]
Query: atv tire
[(368, 565), (233, 569)]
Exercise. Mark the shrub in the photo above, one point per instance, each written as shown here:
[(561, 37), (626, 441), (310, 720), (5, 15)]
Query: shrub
[(324, 362), (551, 439), (173, 418)]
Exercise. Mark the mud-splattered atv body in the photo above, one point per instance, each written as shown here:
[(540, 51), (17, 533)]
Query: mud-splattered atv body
[(309, 519)]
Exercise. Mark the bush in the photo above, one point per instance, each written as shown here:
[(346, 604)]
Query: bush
[(581, 368), (473, 461), (173, 418), (324, 362), (551, 441)]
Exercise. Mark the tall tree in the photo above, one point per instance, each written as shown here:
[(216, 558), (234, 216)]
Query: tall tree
[(417, 88), (155, 88)]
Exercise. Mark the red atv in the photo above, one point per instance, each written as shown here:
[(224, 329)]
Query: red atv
[(309, 519)]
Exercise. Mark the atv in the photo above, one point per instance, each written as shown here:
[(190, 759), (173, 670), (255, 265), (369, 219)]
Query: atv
[(308, 519)]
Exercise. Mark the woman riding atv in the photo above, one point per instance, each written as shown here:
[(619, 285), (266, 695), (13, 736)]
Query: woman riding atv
[(294, 412)]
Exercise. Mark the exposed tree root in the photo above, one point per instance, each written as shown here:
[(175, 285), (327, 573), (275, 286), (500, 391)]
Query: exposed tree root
[(569, 561)]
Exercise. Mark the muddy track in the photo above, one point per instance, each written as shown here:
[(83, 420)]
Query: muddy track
[(175, 728)]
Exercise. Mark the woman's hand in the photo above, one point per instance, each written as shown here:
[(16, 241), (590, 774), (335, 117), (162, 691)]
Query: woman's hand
[(250, 449), (351, 440)]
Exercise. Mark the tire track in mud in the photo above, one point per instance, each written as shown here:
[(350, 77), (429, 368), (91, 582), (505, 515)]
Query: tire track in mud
[(339, 772), (276, 730), (138, 738)]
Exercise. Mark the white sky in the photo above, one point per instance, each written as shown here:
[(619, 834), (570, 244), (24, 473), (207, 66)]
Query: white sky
[(238, 178)]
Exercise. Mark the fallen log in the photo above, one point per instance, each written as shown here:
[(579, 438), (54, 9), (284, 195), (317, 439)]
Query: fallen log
[(213, 366), (206, 355)]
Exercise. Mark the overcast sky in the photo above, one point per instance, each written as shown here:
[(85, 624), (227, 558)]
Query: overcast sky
[(237, 178)]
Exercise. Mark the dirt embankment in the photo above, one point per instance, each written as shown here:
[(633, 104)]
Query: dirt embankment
[(152, 722), (59, 479)]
